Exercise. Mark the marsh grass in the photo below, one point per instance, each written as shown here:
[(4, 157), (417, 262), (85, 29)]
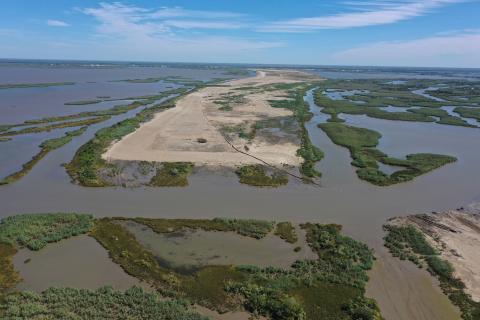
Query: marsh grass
[(272, 292), (9, 278), (246, 227), (45, 148), (172, 174), (34, 85), (256, 175), (34, 231), (286, 231), (361, 143), (408, 242), (371, 95), (103, 303), (87, 161), (61, 125), (295, 102)]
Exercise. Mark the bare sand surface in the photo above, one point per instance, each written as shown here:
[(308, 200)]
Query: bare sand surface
[(456, 235), (173, 135)]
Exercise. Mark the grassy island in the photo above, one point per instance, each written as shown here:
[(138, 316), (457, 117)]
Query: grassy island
[(362, 144), (256, 175), (45, 148), (34, 85), (369, 97)]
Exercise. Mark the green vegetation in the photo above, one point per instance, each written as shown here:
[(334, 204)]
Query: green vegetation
[(104, 303), (83, 102), (310, 154), (3, 139), (468, 112), (34, 85), (85, 118), (125, 250), (367, 97), (408, 242), (87, 163), (256, 175), (330, 287), (361, 143), (34, 231), (313, 289), (461, 92), (286, 231), (45, 148), (246, 227), (445, 118), (61, 125), (335, 107), (8, 277), (172, 174), (229, 100)]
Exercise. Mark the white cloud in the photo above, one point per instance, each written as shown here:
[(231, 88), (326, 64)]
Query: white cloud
[(116, 17), (156, 34), (57, 23), (362, 14), (455, 50), (196, 24)]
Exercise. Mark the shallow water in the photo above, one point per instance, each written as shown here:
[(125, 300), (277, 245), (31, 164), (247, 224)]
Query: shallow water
[(78, 262), (423, 93), (18, 105), (450, 111), (360, 207), (188, 250)]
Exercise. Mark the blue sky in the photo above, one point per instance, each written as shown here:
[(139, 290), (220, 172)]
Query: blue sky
[(443, 33)]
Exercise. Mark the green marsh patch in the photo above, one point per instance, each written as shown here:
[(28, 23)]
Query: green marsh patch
[(34, 231), (256, 175), (369, 97), (45, 148), (172, 174), (362, 144), (104, 303)]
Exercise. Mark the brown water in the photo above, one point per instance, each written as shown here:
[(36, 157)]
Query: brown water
[(78, 262), (404, 292), (189, 250)]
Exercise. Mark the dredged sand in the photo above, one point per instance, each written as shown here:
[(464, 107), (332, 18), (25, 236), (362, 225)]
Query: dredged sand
[(172, 135)]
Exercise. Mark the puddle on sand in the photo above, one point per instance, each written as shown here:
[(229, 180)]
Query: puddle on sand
[(78, 262), (188, 250)]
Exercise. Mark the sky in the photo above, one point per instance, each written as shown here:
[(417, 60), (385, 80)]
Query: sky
[(430, 33)]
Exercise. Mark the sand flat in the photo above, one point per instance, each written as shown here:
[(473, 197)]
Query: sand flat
[(172, 135)]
